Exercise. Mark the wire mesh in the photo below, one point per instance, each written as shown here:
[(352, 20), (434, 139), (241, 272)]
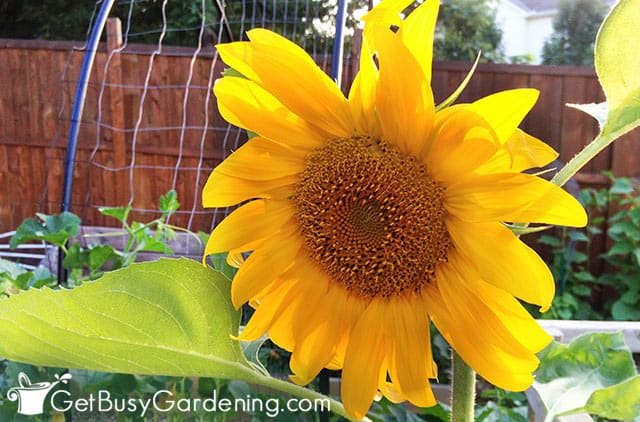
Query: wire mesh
[(150, 122)]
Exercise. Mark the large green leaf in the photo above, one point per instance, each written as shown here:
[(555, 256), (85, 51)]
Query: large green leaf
[(570, 376), (621, 401), (167, 317), (618, 67)]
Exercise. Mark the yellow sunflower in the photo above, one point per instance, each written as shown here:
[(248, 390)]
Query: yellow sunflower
[(370, 216)]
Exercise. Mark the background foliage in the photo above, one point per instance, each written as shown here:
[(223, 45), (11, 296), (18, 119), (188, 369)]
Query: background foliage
[(575, 28), (582, 292), (466, 27)]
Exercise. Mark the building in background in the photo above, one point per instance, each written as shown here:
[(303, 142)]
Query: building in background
[(526, 24)]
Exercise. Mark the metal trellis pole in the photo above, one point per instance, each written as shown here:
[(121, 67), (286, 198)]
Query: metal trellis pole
[(338, 43), (76, 115)]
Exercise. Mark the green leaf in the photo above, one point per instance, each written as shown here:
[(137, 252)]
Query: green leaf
[(584, 276), (231, 72), (22, 282), (634, 215), (621, 186), (41, 277), (11, 270), (492, 412), (100, 255), (169, 317), (569, 375), (76, 257), (550, 240), (219, 262), (618, 67), (55, 229), (579, 257), (621, 247), (626, 228), (119, 213), (169, 202), (621, 401), (578, 236), (204, 237), (622, 311), (23, 279), (251, 351), (151, 244)]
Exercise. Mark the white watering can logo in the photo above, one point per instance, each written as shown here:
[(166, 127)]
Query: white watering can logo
[(31, 396)]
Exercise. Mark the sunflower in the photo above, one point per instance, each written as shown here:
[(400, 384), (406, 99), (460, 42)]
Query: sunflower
[(370, 216)]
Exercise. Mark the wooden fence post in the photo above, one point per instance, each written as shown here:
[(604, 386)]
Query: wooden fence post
[(116, 106), (626, 151)]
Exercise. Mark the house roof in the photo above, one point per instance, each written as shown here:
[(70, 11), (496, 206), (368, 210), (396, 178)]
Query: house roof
[(539, 5), (543, 5)]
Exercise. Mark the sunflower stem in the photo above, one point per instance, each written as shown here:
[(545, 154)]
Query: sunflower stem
[(582, 158), (464, 390)]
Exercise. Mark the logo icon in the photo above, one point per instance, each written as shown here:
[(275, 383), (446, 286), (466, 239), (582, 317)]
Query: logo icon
[(31, 396)]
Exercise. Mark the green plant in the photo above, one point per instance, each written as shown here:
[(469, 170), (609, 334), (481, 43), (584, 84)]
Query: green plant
[(595, 373), (569, 266), (503, 406), (623, 198), (618, 208), (466, 27), (89, 262), (575, 27)]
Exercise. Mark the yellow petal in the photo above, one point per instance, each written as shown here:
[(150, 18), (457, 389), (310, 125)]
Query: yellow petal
[(515, 318), (363, 363), (513, 198), (417, 34), (387, 12), (405, 115), (517, 321), (289, 74), (261, 159), (411, 365), (521, 152), (478, 335), (238, 55), (253, 221), (460, 142), (503, 260), (352, 309), (263, 266), (528, 152), (362, 96), (310, 287), (272, 305), (505, 110), (222, 190), (324, 326), (245, 104)]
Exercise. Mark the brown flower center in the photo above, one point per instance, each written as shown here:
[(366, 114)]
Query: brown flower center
[(371, 217)]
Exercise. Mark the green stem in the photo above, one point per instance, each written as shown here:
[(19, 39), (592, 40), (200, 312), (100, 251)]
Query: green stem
[(464, 390), (583, 157)]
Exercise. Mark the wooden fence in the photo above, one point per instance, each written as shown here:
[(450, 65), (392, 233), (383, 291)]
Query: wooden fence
[(37, 84)]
